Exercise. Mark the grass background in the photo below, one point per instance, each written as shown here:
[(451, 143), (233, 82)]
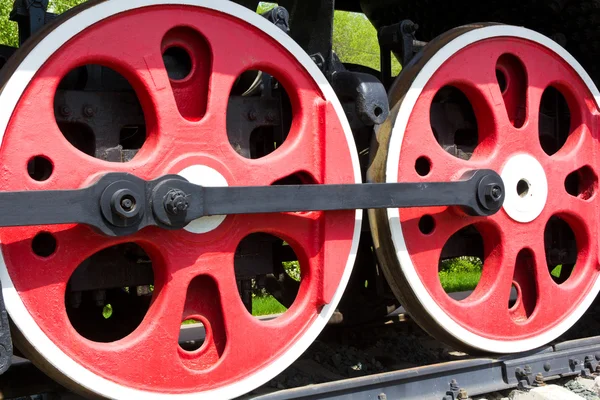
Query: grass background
[(456, 275)]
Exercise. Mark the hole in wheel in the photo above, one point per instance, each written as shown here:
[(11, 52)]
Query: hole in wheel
[(454, 123), (461, 264), (561, 249), (523, 188), (524, 283), (99, 113), (268, 274), (177, 62), (121, 277), (501, 78), (512, 80), (202, 337), (582, 183), (426, 224), (378, 111), (192, 334), (298, 178), (187, 57), (259, 115), (554, 121), (513, 296), (423, 166), (43, 244), (40, 168)]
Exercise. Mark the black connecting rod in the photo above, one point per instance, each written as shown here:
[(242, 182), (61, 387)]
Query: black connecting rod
[(121, 204)]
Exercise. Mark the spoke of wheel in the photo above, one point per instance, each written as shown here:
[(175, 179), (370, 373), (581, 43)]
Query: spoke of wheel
[(426, 252)]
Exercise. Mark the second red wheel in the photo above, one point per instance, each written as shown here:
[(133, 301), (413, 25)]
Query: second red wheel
[(511, 100)]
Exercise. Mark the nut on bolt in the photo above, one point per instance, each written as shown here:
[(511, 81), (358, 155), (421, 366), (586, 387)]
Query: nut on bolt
[(493, 192), (176, 202), (65, 111), (88, 111), (124, 204)]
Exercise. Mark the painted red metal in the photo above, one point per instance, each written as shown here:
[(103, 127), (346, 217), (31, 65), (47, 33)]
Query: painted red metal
[(508, 125), (237, 345)]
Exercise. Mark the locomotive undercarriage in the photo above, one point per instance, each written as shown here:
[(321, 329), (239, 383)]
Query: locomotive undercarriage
[(130, 197)]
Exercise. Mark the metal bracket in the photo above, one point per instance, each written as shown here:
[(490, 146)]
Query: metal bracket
[(30, 15), (280, 17), (398, 39), (456, 392), (363, 97)]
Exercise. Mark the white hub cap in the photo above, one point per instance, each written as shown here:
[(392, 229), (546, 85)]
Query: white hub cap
[(204, 176), (526, 188)]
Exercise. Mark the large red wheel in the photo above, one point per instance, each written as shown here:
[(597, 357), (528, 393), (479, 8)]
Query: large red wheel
[(193, 268), (508, 99)]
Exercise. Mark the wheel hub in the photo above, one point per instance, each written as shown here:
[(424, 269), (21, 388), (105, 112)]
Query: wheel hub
[(204, 176), (527, 186)]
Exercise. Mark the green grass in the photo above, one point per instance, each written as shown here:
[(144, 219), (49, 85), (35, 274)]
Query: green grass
[(459, 282), (107, 311), (556, 271), (266, 306), (460, 274)]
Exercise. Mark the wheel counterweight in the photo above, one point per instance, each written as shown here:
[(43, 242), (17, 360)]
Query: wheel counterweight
[(511, 100), (192, 270)]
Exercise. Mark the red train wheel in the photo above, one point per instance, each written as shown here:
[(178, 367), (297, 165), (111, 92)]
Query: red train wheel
[(511, 100), (193, 269)]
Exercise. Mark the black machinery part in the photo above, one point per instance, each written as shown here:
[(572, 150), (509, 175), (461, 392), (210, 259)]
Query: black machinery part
[(122, 204)]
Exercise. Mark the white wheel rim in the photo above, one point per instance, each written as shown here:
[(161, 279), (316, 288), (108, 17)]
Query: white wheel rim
[(9, 97)]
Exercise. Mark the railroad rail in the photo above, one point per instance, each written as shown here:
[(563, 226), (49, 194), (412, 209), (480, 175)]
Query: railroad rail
[(443, 381)]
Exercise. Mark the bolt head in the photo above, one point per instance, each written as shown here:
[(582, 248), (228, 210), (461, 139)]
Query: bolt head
[(281, 13), (124, 204), (65, 111), (252, 115), (493, 192), (547, 367), (176, 202), (127, 204), (88, 111)]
